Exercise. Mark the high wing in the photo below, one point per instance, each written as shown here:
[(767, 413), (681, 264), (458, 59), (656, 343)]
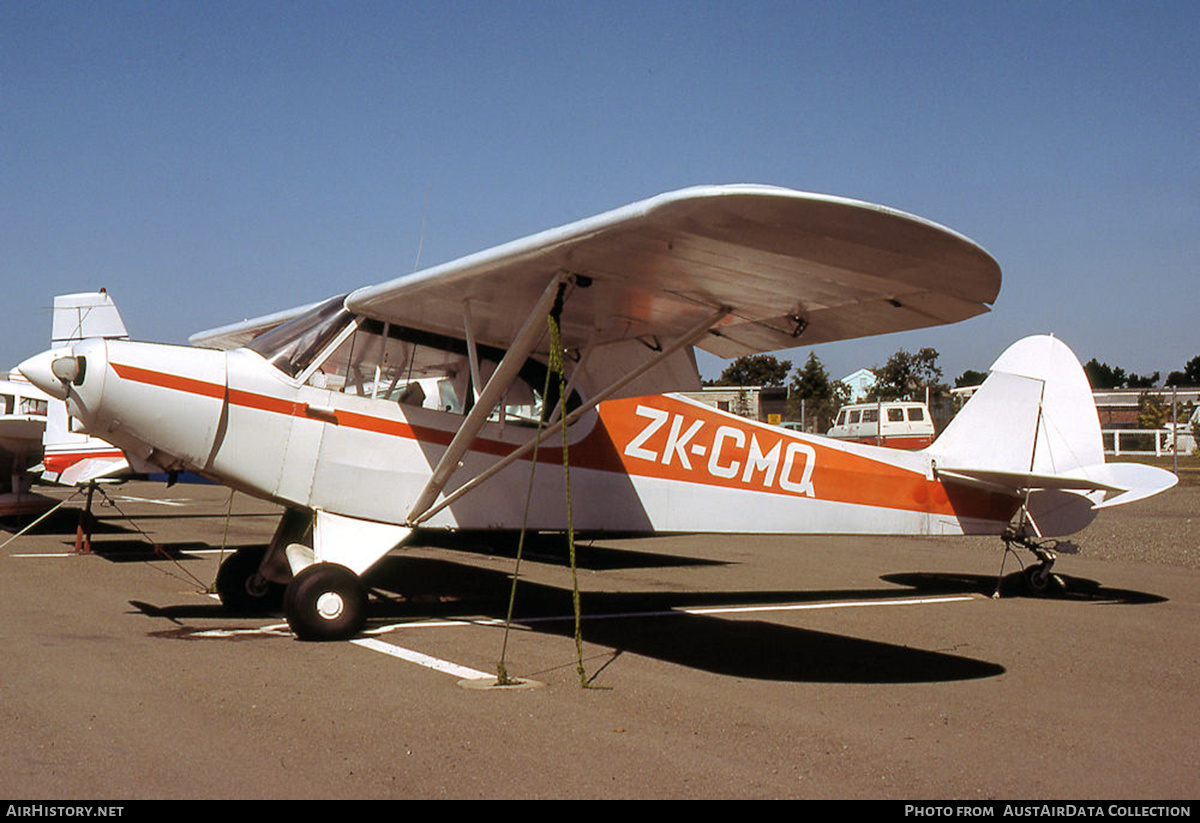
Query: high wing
[(789, 268), (792, 268)]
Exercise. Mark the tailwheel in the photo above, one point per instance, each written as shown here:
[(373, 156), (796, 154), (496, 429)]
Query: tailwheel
[(241, 586), (1042, 582), (325, 601)]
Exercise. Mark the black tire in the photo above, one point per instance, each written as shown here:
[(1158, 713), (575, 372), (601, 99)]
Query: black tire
[(1041, 582), (325, 602), (242, 589)]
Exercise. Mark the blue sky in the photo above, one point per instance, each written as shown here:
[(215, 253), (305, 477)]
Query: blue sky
[(209, 161)]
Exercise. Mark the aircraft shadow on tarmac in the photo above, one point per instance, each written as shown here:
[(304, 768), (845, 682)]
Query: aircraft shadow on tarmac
[(653, 624), (1076, 589), (656, 625), (63, 521), (650, 624), (119, 540)]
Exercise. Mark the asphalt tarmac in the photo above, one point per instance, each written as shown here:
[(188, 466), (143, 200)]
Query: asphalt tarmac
[(712, 667)]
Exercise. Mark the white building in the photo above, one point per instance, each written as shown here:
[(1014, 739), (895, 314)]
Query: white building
[(860, 382)]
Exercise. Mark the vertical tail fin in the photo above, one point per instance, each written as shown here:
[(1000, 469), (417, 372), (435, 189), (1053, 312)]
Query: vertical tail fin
[(1034, 414), (1032, 430), (72, 457), (84, 316)]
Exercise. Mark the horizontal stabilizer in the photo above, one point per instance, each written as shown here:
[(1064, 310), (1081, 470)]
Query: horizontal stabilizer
[(1017, 483), (1031, 432), (1130, 481), (1137, 481), (91, 468)]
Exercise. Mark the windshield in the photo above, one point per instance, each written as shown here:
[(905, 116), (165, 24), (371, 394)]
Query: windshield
[(292, 346), (398, 364)]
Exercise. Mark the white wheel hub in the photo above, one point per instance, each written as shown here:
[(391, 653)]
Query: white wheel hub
[(330, 605)]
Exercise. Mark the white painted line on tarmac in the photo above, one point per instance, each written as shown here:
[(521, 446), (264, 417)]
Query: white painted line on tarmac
[(437, 664), (46, 554), (166, 501), (784, 607), (849, 604), (466, 673), (112, 554)]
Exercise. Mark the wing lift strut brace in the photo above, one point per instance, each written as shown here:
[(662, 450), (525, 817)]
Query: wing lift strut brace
[(523, 344)]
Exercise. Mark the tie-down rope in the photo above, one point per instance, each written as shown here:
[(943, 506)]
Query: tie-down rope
[(554, 365)]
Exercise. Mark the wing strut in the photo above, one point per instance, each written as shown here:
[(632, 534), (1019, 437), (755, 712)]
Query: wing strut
[(510, 365), (687, 338)]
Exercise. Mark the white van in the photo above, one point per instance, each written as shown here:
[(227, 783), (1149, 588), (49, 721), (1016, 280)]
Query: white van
[(906, 424)]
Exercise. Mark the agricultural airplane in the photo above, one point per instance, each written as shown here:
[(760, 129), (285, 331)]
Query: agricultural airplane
[(71, 457), (357, 413), (34, 426)]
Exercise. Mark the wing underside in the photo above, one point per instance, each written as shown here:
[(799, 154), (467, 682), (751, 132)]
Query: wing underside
[(788, 268), (792, 269)]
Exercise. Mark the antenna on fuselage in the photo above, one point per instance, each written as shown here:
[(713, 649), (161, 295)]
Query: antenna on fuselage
[(421, 237)]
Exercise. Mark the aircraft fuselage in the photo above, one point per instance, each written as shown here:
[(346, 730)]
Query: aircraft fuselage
[(647, 464)]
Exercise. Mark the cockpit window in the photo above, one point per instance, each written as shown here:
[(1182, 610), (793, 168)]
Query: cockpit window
[(292, 347), (382, 361)]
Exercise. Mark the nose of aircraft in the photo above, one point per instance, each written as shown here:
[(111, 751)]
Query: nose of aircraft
[(39, 370)]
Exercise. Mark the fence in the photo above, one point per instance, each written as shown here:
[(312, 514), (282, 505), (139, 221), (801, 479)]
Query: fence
[(1147, 441)]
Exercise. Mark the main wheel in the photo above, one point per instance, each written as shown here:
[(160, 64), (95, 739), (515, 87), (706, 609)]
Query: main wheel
[(325, 602), (242, 589)]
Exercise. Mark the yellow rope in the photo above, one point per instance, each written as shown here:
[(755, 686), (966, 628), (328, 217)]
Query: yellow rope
[(554, 365), (502, 678)]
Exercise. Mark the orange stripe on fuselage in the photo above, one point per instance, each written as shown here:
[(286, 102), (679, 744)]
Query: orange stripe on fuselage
[(670, 439), (292, 408), (168, 381)]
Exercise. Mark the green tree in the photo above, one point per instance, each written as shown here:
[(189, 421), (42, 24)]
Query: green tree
[(819, 397), (1103, 376), (908, 375), (754, 370), (1190, 376), (1151, 412), (970, 377)]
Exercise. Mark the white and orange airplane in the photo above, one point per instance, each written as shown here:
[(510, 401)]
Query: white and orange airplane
[(72, 457), (22, 424), (421, 403)]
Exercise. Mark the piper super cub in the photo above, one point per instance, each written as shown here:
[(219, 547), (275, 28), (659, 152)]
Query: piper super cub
[(421, 402)]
